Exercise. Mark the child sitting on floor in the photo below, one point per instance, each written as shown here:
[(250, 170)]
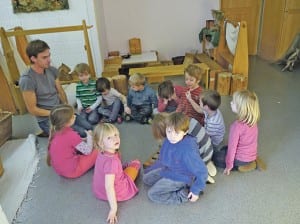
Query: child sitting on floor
[(179, 175), (67, 153), (205, 147), (193, 75), (209, 103), (241, 152), (167, 96), (111, 182), (141, 100), (111, 106), (87, 98)]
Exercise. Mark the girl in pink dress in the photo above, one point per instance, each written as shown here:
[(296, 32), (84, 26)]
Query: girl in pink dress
[(68, 154), (111, 182)]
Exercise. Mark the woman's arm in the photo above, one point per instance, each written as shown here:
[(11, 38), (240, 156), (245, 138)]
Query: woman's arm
[(111, 196)]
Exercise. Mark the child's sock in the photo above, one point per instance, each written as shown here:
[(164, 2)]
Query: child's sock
[(133, 169)]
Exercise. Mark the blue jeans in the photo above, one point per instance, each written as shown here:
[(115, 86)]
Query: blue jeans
[(163, 190), (111, 111), (92, 117), (219, 158), (80, 126), (138, 112)]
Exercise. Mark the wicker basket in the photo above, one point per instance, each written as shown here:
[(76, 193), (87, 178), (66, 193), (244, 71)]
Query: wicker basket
[(5, 126)]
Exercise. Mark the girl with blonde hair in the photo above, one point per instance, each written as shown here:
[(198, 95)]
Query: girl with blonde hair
[(112, 182), (241, 152)]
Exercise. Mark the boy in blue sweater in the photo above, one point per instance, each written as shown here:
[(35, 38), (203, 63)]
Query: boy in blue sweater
[(179, 175), (141, 100)]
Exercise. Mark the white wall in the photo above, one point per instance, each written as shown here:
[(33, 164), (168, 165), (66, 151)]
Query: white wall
[(67, 47), (169, 26)]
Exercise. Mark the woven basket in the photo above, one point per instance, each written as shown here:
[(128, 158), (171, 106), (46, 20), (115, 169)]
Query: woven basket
[(5, 126)]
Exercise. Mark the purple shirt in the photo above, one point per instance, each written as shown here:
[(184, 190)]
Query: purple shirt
[(242, 143)]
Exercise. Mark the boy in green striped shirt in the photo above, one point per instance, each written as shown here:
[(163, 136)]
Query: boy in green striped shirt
[(87, 97)]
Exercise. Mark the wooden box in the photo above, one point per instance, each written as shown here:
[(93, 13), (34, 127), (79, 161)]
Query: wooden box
[(238, 82), (5, 126), (223, 83), (120, 84), (135, 46)]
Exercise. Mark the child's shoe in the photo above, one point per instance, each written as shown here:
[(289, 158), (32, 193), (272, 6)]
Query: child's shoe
[(119, 120), (211, 168), (247, 168), (146, 120), (127, 118), (210, 180), (107, 120), (260, 164)]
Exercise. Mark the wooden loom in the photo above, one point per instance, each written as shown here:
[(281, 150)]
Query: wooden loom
[(18, 106)]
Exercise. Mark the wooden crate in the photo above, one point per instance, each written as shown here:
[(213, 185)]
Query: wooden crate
[(223, 83), (5, 126), (238, 82)]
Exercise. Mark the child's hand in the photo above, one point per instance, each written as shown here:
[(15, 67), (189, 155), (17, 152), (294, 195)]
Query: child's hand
[(165, 101), (226, 171), (192, 197), (112, 217), (89, 132), (188, 95), (88, 110), (127, 110)]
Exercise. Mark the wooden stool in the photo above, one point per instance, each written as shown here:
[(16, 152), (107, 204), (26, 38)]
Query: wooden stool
[(223, 83), (120, 83), (238, 82)]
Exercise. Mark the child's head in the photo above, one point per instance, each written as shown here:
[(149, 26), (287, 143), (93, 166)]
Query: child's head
[(106, 137), (83, 71), (61, 116), (165, 89), (245, 104), (177, 126), (159, 126), (137, 82), (103, 85), (193, 75), (211, 99)]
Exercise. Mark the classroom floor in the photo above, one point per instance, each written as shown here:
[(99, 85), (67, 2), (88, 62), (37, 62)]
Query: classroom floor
[(272, 196)]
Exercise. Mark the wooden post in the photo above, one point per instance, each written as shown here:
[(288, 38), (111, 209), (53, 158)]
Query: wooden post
[(87, 47), (223, 83)]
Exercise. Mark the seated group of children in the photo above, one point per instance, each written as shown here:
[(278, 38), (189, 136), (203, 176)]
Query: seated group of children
[(188, 124)]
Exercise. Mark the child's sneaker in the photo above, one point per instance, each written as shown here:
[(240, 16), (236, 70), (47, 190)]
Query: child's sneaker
[(127, 118), (119, 120), (212, 170), (247, 168), (107, 120), (210, 180)]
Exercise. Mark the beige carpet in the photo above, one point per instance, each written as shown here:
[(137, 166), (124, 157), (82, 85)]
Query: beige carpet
[(20, 159)]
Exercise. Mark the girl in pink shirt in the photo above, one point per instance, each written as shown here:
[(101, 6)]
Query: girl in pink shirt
[(111, 182), (68, 154), (241, 152)]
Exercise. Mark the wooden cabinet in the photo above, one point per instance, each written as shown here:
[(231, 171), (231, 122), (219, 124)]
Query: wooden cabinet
[(245, 10), (280, 24)]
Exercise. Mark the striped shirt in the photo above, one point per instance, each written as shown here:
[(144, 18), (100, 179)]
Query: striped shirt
[(215, 127), (87, 93), (205, 147), (186, 107)]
